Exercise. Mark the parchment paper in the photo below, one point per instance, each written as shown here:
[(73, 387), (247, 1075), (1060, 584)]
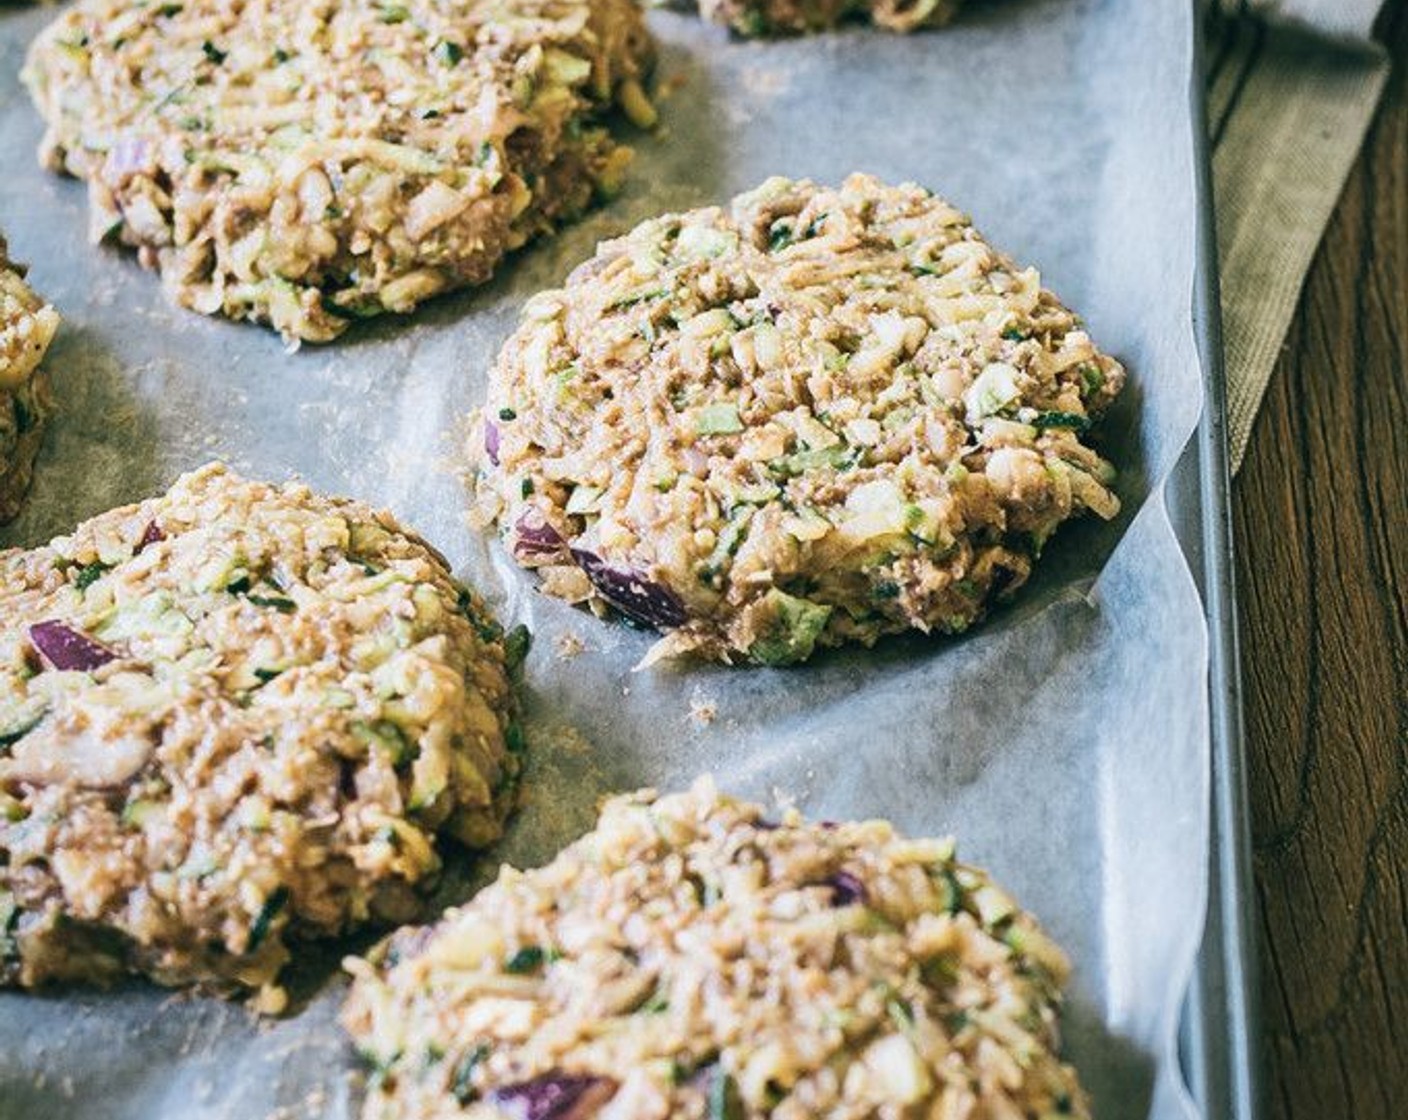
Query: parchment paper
[(1064, 743)]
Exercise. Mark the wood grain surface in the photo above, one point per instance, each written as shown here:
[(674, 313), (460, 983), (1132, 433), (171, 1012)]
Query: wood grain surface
[(1321, 514)]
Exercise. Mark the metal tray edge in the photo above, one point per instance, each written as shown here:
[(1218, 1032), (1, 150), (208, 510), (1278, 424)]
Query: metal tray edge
[(1220, 1032)]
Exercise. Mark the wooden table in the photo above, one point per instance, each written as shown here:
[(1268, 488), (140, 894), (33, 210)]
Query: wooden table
[(1321, 512)]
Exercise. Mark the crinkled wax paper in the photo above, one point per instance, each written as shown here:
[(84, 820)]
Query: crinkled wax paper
[(1064, 743)]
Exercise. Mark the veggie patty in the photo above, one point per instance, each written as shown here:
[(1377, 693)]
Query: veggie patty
[(27, 326), (814, 417), (690, 959), (756, 18), (305, 164), (231, 717)]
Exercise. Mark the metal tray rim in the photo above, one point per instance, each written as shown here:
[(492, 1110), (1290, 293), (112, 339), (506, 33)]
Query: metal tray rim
[(1220, 1040)]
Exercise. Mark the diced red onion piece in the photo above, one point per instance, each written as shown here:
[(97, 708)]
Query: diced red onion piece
[(589, 269), (65, 648), (491, 441), (534, 538), (129, 155), (847, 890), (696, 462), (408, 942), (150, 535), (632, 592), (555, 1096)]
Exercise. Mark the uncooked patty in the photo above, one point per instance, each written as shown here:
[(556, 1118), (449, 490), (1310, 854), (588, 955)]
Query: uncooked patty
[(688, 959), (790, 17), (814, 417), (305, 164), (27, 326), (232, 716)]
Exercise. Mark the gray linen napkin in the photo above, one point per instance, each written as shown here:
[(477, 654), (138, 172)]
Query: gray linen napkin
[(1292, 86)]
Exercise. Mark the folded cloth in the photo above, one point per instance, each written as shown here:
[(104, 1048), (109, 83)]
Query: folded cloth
[(1341, 19), (1292, 86)]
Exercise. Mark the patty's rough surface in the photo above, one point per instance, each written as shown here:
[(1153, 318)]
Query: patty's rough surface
[(689, 959), (27, 326), (231, 716), (791, 17), (814, 417), (305, 164)]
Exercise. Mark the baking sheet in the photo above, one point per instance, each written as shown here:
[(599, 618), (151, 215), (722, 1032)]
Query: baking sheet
[(1220, 1037), (1065, 743)]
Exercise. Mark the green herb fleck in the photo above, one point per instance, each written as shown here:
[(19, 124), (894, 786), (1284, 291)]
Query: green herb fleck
[(266, 675), (752, 24), (516, 643), (487, 629), (799, 462), (272, 905), (633, 298), (507, 414), (9, 919), (89, 574), (16, 732), (394, 13), (448, 53), (938, 971), (954, 903), (387, 835), (728, 543), (1072, 420), (277, 602), (136, 813), (725, 1103), (528, 959), (901, 1014), (212, 52), (335, 305), (387, 736), (463, 1084)]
